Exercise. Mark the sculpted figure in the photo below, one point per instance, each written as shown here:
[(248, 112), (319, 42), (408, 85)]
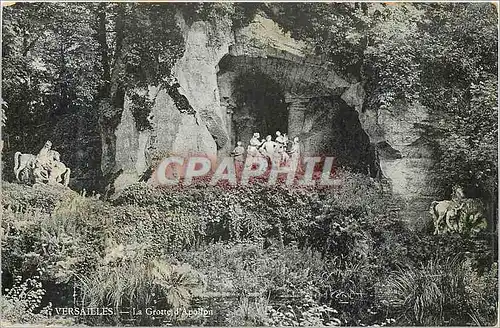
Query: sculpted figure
[(280, 139), (253, 147), (43, 164), (59, 173), (23, 161), (462, 215), (281, 143), (295, 148), (282, 154), (238, 152), (443, 210), (46, 167), (268, 147), (285, 139)]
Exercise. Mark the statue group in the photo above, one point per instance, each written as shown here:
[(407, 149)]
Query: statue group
[(460, 214), (279, 149), (44, 168)]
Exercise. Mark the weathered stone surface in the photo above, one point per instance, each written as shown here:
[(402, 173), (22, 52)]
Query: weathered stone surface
[(354, 96), (179, 133), (126, 150), (215, 57), (173, 133), (196, 72), (263, 38), (409, 175)]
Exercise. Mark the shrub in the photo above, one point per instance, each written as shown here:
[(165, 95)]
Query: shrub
[(22, 303), (19, 197), (248, 312), (277, 280), (67, 240), (130, 280), (446, 292)]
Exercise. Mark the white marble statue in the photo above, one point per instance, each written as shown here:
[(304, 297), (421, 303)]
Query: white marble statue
[(268, 147), (238, 152), (295, 149), (255, 143), (46, 167)]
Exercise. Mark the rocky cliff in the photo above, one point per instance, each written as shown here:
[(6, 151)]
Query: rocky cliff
[(313, 99)]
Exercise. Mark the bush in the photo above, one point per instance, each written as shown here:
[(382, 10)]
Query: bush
[(22, 303), (130, 280), (280, 281), (447, 292), (64, 242), (44, 198), (234, 212), (269, 255)]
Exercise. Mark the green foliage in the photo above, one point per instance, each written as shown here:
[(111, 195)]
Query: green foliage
[(460, 75), (443, 56), (49, 53), (270, 283), (20, 302), (141, 107), (468, 144), (441, 293), (248, 313), (19, 197), (233, 212), (153, 44), (254, 255), (49, 80), (241, 14), (62, 243), (130, 280)]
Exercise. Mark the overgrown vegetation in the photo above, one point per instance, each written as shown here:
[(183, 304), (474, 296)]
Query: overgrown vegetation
[(67, 68), (255, 255), (441, 55)]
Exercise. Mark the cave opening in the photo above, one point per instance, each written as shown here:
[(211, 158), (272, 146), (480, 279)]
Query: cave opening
[(262, 96), (259, 106)]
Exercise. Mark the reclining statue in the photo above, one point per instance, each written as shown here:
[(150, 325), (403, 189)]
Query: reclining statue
[(46, 167)]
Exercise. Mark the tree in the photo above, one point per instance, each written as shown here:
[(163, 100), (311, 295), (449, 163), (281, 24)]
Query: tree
[(49, 82), (459, 78), (442, 55)]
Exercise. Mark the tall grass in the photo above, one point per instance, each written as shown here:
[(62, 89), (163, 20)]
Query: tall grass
[(443, 292), (126, 283)]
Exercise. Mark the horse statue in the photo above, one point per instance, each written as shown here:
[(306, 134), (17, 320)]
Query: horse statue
[(460, 214), (46, 167), (444, 211), (23, 161)]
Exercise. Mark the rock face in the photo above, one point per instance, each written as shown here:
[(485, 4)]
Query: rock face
[(308, 99), (176, 132), (272, 59), (405, 156)]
